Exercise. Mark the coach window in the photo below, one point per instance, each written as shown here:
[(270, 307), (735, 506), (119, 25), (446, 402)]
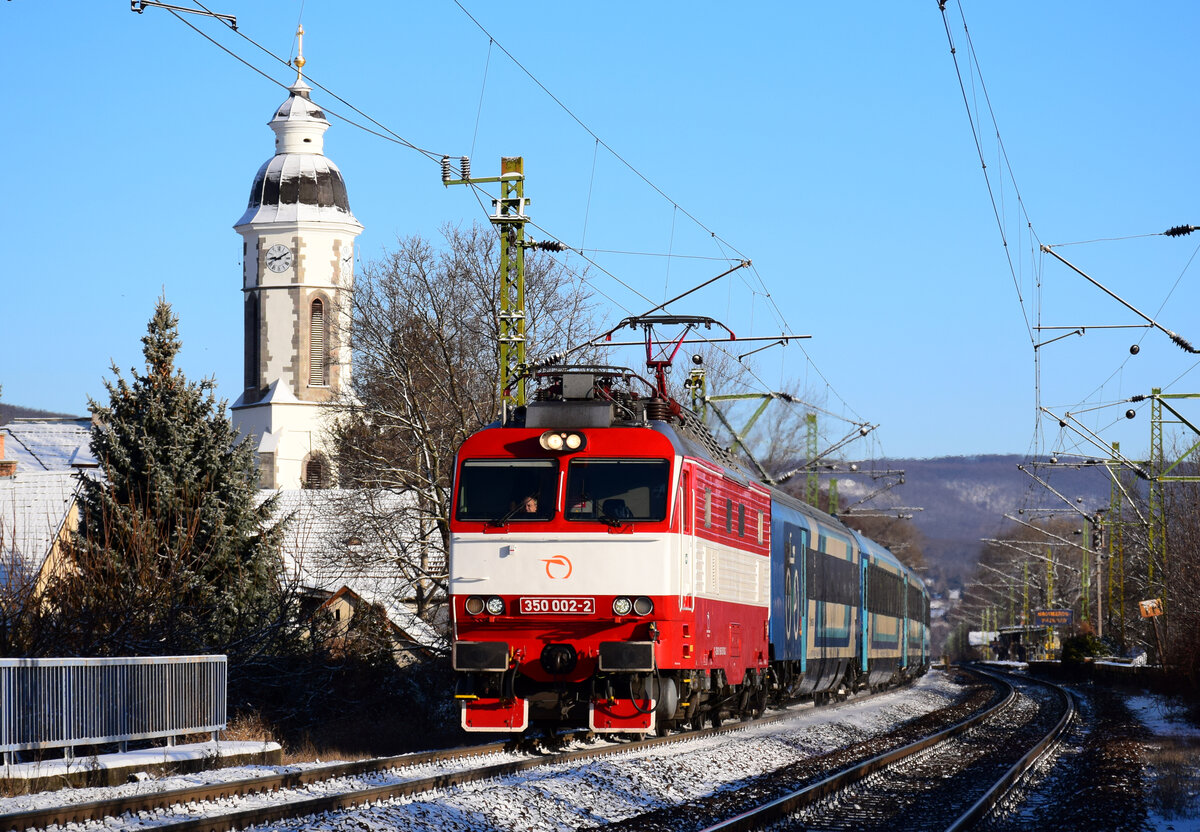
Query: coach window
[(729, 515), (762, 522), (617, 490), (708, 508), (741, 520), (503, 490)]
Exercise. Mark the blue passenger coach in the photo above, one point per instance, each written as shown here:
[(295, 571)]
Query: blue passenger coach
[(845, 612)]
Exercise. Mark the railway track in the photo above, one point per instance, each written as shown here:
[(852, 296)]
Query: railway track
[(275, 798), (946, 780), (348, 785)]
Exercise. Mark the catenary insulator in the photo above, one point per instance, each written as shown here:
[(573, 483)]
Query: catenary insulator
[(1179, 230), (465, 164), (445, 169)]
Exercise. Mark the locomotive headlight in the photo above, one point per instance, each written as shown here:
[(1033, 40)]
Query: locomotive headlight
[(474, 605), (622, 605), (643, 605), (554, 440), (495, 605)]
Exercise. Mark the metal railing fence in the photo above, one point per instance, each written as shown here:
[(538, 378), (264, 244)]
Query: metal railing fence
[(61, 703)]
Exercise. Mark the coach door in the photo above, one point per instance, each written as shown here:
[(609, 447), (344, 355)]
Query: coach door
[(687, 542)]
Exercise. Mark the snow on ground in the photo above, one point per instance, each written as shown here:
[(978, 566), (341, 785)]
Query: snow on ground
[(149, 785), (572, 796), (576, 796), (1172, 763), (1165, 717)]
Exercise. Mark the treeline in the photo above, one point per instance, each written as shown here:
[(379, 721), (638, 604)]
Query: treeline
[(177, 551), (1102, 566)]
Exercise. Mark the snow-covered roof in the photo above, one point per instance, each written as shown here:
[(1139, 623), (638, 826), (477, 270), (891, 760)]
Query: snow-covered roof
[(298, 187), (49, 444), (299, 107), (329, 545), (33, 508), (299, 183)]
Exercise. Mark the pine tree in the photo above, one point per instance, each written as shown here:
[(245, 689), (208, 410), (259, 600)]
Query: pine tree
[(174, 553)]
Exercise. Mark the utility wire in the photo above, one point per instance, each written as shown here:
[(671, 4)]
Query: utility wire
[(721, 242), (586, 129), (390, 135), (979, 150)]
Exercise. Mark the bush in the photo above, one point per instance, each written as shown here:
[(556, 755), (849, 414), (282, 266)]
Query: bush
[(1080, 648)]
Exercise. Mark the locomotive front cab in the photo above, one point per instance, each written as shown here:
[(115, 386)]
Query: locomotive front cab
[(561, 577)]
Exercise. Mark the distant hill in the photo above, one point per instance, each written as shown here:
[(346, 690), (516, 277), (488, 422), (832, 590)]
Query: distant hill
[(965, 498), (8, 412)]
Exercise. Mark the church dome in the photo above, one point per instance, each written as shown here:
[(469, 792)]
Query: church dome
[(297, 187), (299, 183)]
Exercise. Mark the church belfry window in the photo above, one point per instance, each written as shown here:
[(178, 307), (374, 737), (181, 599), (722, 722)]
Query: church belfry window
[(251, 376), (315, 472), (317, 351)]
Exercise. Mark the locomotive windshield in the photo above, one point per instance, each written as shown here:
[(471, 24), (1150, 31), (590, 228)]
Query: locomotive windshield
[(500, 490), (614, 490)]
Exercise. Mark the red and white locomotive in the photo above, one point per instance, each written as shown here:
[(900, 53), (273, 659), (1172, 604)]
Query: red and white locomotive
[(612, 566)]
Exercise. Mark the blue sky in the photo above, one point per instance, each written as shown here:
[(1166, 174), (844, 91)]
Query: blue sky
[(827, 142)]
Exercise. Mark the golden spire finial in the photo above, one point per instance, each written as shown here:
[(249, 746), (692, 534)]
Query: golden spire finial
[(299, 61)]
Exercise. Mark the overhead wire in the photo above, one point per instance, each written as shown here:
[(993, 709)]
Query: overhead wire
[(581, 123), (979, 150), (718, 240), (388, 134)]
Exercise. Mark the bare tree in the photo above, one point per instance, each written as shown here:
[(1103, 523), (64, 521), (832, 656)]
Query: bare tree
[(425, 342), (899, 535), (1182, 621)]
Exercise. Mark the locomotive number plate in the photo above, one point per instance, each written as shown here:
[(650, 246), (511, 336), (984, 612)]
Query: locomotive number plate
[(550, 606)]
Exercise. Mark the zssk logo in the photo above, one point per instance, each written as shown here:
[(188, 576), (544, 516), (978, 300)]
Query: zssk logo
[(558, 568)]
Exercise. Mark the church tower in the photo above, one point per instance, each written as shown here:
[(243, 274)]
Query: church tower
[(297, 277)]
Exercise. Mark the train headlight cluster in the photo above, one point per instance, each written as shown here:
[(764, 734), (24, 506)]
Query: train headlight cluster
[(554, 440), (476, 605), (623, 605)]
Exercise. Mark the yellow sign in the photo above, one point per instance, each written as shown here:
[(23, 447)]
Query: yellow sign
[(1151, 608)]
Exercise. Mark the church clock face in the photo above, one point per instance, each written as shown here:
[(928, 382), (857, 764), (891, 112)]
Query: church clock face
[(279, 258), (347, 262)]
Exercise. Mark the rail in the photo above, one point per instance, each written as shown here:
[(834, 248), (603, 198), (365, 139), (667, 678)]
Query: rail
[(62, 703)]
